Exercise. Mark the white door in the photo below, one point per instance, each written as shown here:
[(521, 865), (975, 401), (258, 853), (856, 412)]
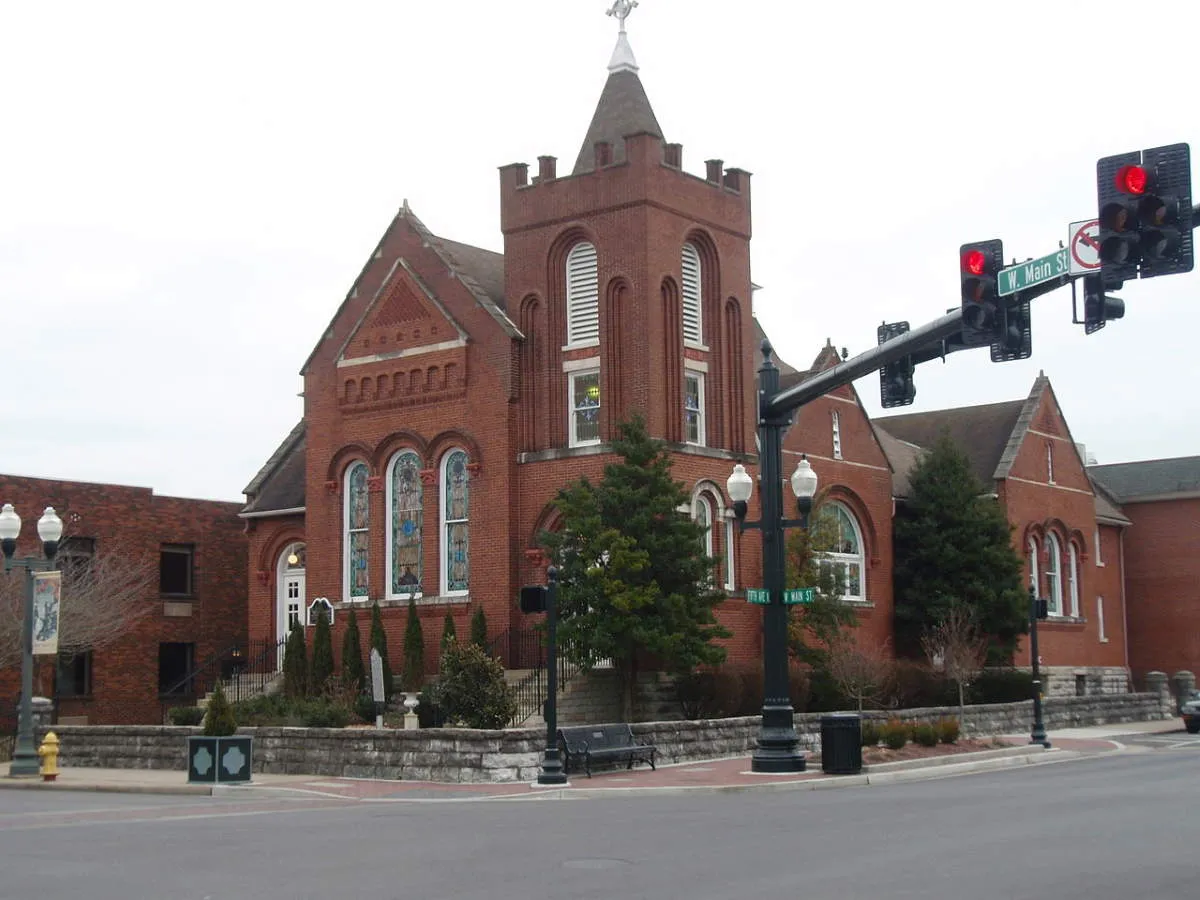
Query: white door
[(291, 605)]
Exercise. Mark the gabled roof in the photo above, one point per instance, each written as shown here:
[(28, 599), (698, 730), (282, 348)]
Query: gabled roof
[(623, 109), (1150, 478), (1108, 509), (279, 484), (983, 432)]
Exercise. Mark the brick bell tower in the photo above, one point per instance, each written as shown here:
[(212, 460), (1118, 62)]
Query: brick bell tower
[(630, 281)]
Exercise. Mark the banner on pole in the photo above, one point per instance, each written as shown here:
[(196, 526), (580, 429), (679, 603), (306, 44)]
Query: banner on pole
[(47, 601)]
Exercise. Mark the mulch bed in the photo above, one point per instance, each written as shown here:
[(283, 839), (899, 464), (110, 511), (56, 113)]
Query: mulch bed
[(881, 754)]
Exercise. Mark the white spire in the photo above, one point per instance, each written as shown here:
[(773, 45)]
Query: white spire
[(622, 58)]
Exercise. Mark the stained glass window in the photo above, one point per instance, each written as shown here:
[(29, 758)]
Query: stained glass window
[(456, 510), (406, 504), (357, 530), (585, 408)]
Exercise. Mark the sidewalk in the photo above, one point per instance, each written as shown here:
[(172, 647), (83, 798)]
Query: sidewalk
[(719, 775)]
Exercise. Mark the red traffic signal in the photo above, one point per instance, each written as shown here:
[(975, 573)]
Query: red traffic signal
[(1132, 179), (980, 262)]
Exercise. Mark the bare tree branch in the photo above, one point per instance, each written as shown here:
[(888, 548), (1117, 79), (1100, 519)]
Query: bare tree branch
[(956, 647), (862, 669)]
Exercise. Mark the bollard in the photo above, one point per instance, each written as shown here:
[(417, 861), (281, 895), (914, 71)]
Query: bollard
[(49, 754)]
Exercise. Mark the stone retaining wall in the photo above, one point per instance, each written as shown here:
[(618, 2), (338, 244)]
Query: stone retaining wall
[(463, 755)]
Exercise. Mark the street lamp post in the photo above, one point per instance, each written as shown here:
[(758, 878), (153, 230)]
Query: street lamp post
[(1038, 734), (552, 767), (778, 747), (50, 527)]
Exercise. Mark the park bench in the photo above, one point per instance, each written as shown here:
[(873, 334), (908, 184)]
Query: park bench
[(597, 743)]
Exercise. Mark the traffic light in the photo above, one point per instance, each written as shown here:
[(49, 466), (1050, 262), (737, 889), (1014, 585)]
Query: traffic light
[(896, 387), (1098, 307), (1041, 607), (533, 598), (978, 265), (1145, 201), (1014, 339)]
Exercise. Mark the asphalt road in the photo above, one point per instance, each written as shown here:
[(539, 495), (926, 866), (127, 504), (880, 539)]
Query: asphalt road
[(1113, 827)]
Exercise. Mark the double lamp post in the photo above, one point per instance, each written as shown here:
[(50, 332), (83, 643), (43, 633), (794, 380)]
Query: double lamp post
[(50, 527)]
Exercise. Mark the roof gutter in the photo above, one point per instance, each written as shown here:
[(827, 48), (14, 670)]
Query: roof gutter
[(268, 513)]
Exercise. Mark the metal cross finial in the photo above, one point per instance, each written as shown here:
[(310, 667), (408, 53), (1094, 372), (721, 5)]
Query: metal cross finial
[(621, 9)]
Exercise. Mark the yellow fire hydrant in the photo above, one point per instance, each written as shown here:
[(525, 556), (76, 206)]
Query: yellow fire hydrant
[(49, 754)]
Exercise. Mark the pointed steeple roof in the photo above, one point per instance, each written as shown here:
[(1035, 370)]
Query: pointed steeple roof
[(624, 108)]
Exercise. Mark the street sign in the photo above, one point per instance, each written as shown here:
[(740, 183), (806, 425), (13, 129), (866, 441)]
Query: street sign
[(1084, 243), (798, 595), (1027, 274), (758, 595)]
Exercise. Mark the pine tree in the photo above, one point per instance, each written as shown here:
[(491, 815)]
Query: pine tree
[(321, 669), (413, 675), (219, 720), (353, 672), (634, 577), (448, 633), (479, 633), (295, 664), (954, 545), (379, 642)]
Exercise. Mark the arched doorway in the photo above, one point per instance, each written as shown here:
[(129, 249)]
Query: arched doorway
[(289, 591)]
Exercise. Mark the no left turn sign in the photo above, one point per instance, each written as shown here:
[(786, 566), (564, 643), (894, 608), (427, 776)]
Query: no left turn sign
[(1085, 246)]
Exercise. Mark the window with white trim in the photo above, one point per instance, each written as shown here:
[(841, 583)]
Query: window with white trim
[(703, 514), (1073, 578), (693, 331), (1054, 596), (693, 407), (837, 435), (1096, 543), (730, 572), (584, 390), (356, 532), (455, 483), (841, 550), (583, 295), (1100, 619), (405, 505), (1033, 567)]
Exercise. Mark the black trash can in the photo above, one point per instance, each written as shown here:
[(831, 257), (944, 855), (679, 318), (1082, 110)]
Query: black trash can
[(841, 744)]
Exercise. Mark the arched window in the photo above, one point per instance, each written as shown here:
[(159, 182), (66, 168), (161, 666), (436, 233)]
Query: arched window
[(1033, 566), (693, 331), (730, 572), (583, 295), (405, 502), (1073, 578), (839, 540), (1053, 575), (702, 512), (456, 516), (356, 535)]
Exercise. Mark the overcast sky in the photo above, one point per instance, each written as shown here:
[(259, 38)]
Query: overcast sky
[(187, 192)]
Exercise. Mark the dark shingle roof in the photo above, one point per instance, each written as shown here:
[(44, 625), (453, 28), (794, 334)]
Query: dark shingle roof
[(1107, 509), (485, 266), (1150, 478), (279, 484), (624, 109), (982, 432)]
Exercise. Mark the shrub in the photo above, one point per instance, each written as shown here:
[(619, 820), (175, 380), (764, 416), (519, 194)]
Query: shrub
[(825, 695), (324, 713), (697, 695), (321, 669), (870, 733), (449, 633), (479, 632), (413, 674), (894, 734), (925, 734), (364, 708), (379, 642), (472, 690), (429, 713), (295, 663), (751, 700), (1002, 686), (915, 685), (268, 709), (729, 689), (186, 715), (219, 720), (799, 689), (354, 674), (948, 730)]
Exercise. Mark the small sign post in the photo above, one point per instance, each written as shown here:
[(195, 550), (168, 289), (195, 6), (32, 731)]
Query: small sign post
[(377, 692)]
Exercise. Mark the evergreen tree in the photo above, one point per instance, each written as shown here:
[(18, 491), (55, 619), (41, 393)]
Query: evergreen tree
[(379, 642), (479, 633), (634, 577), (353, 672), (954, 545), (817, 626), (219, 720), (413, 675), (321, 669), (295, 664), (448, 632)]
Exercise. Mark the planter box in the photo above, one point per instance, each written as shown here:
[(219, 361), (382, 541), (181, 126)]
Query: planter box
[(219, 760)]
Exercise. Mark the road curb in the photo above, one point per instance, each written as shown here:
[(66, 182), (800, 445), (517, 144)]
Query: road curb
[(187, 790)]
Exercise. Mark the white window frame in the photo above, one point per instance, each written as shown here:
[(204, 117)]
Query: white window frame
[(691, 290), (1054, 592), (1033, 567), (1096, 539), (591, 367), (1100, 618), (1073, 578), (730, 571), (1049, 462), (703, 502), (444, 523), (583, 296), (346, 533), (837, 435), (690, 373), (389, 550), (846, 559)]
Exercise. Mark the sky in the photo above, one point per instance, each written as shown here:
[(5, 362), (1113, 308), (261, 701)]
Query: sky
[(187, 192)]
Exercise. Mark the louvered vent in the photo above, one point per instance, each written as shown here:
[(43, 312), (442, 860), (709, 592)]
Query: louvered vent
[(583, 295), (692, 330)]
